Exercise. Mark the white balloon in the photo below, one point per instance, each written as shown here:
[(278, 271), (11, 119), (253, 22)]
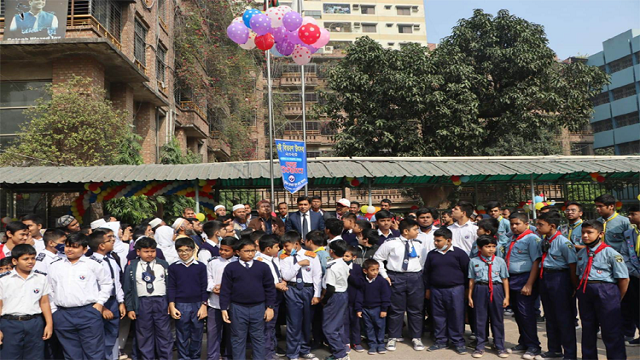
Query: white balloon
[(301, 55), (275, 14), (285, 9), (238, 19), (251, 42), (309, 20)]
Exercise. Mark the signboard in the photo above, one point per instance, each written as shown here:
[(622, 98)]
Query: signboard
[(35, 19), (293, 164)]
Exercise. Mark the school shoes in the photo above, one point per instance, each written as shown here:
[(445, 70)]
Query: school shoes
[(633, 343), (436, 347), (372, 352), (280, 352), (519, 348), (550, 355), (503, 354), (477, 354), (531, 353), (461, 350), (309, 356), (358, 348), (417, 344), (391, 345)]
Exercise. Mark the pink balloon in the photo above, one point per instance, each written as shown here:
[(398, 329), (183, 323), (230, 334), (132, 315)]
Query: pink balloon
[(309, 20), (323, 40), (301, 55)]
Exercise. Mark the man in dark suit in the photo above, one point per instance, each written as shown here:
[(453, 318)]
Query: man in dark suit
[(265, 221), (303, 220)]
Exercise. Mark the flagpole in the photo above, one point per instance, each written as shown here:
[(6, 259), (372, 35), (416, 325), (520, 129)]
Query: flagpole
[(304, 104), (271, 134)]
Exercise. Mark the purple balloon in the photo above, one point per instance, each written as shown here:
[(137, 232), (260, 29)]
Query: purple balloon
[(292, 37), (260, 24), (285, 48), (238, 33), (279, 33), (292, 20), (311, 48)]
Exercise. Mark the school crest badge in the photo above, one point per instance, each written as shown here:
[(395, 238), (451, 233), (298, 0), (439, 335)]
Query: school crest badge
[(619, 258), (36, 291)]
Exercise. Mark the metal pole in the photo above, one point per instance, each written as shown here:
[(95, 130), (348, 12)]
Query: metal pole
[(533, 198), (197, 186), (369, 183), (271, 134), (304, 105)]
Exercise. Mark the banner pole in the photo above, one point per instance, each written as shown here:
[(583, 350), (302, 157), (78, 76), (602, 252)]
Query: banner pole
[(269, 90)]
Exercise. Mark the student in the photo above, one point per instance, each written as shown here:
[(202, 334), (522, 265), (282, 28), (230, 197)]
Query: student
[(255, 237), (333, 230), (247, 299), (303, 273), (210, 248), (80, 287), (384, 222), (573, 230), (464, 230), (557, 281), (316, 242), (269, 247), (367, 246), (445, 218), (24, 303), (351, 330), (348, 223), (614, 224), (34, 222), (630, 253), (489, 227), (445, 279), (405, 257), (488, 297), (145, 295), (218, 332), (335, 299), (504, 227), (187, 295), (54, 248), (360, 226), (599, 293), (114, 308), (16, 233), (6, 265), (523, 262), (376, 299), (426, 217)]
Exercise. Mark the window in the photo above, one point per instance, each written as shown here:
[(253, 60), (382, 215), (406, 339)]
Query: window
[(160, 62), (601, 126), (368, 28), (627, 119), (338, 26), (336, 8), (621, 64), (624, 91), (316, 14), (404, 10), (339, 45), (601, 98), (405, 29), (15, 98), (638, 57), (108, 13), (140, 44), (368, 9), (629, 148)]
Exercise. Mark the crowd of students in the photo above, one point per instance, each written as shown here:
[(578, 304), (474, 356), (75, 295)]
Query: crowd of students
[(333, 279)]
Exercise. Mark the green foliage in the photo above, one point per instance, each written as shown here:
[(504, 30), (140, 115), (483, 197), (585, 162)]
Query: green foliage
[(170, 153), (129, 150), (131, 210), (493, 87)]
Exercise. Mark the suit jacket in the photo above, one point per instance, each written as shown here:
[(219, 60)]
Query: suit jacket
[(294, 221), (256, 224)]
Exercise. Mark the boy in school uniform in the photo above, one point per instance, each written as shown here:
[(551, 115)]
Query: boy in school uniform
[(465, 231), (247, 299), (384, 220), (210, 249), (631, 253), (504, 227), (367, 245), (16, 233), (24, 303), (573, 230), (348, 223), (303, 274), (114, 308), (54, 248), (80, 287), (351, 330), (145, 296), (405, 257), (604, 279), (488, 297), (445, 279), (557, 281), (335, 300), (614, 224), (426, 218), (376, 299), (6, 265), (317, 242), (523, 256), (218, 332), (187, 293)]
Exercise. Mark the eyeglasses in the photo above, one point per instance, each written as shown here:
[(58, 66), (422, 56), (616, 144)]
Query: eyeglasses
[(185, 251), (571, 210)]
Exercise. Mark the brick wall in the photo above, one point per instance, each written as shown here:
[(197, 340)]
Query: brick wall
[(145, 126), (85, 66)]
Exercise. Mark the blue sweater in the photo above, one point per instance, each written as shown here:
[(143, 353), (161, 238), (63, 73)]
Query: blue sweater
[(187, 284), (356, 283), (247, 287), (445, 271), (376, 293)]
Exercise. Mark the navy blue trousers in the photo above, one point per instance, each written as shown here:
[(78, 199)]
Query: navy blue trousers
[(52, 348), (374, 326), (80, 331), (524, 310), (270, 341), (153, 333), (448, 308), (189, 331), (630, 308), (333, 323), (247, 321), (351, 330), (218, 335), (407, 294), (556, 292), (485, 310), (600, 307), (111, 327), (22, 339), (299, 320)]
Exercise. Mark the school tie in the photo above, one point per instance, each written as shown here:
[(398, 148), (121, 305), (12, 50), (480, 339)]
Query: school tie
[(587, 269), (490, 275), (246, 265), (113, 277), (544, 254), (508, 257), (405, 262), (305, 225), (149, 284), (275, 267), (299, 281)]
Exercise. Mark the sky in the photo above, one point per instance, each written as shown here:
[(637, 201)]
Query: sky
[(573, 27)]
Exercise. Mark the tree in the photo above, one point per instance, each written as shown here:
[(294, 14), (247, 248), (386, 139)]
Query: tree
[(493, 87)]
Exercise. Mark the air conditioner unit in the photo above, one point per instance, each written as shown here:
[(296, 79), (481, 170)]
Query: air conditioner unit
[(414, 8), (389, 24), (356, 24), (328, 49), (391, 43), (387, 7), (356, 6), (416, 26)]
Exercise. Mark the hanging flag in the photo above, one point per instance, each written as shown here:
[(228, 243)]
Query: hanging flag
[(293, 164)]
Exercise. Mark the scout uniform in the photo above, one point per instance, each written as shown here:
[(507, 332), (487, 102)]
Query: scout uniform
[(573, 232), (630, 253), (614, 228)]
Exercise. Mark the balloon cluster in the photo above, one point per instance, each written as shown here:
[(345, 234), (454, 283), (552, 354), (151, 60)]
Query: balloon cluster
[(538, 203), (355, 182), (290, 33), (597, 177), (369, 210), (458, 180)]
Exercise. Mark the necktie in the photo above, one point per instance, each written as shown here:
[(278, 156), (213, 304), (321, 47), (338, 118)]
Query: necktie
[(587, 269), (508, 257), (305, 226), (490, 275), (544, 254), (405, 262), (299, 280), (149, 284), (246, 265), (275, 267), (113, 277)]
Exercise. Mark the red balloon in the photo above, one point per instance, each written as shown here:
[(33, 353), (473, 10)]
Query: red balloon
[(521, 203), (264, 42), (309, 33), (355, 182), (414, 207), (455, 178), (601, 179)]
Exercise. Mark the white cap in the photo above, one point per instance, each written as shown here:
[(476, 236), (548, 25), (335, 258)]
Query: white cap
[(176, 224), (218, 207), (97, 223), (155, 222), (238, 207), (344, 202)]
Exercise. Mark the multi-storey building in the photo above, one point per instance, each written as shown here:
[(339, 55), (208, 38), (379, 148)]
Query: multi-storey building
[(615, 122)]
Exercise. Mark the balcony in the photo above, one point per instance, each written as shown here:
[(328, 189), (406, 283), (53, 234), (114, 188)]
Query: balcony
[(313, 137), (220, 149), (191, 118), (290, 109), (296, 81)]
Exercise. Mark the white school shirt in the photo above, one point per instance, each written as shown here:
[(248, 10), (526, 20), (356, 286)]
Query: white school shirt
[(215, 268), (45, 258), (339, 237), (116, 273), (22, 296), (464, 235), (311, 274), (204, 255), (269, 260), (337, 275), (159, 283), (427, 239), (83, 283), (392, 251), (38, 244)]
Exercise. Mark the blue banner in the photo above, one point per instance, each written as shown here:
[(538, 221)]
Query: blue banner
[(293, 164)]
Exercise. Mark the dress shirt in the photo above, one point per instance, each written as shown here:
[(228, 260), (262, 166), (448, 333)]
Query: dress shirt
[(159, 283), (608, 265), (22, 296), (392, 251), (464, 235), (116, 274), (334, 239), (427, 239), (311, 274), (44, 259), (244, 263), (81, 283), (38, 244), (270, 261), (215, 268), (205, 255), (337, 275), (302, 216)]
